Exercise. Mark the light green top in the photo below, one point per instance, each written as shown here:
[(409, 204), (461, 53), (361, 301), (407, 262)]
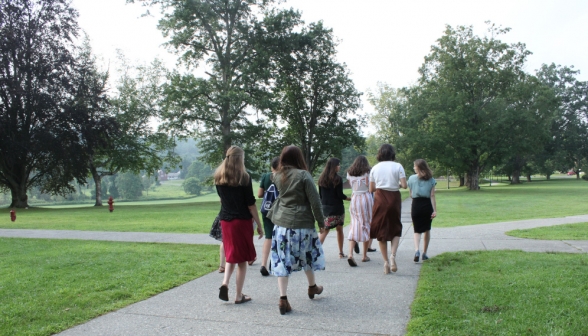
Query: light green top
[(420, 188)]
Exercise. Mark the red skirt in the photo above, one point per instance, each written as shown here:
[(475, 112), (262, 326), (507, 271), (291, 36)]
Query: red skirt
[(238, 240), (386, 214)]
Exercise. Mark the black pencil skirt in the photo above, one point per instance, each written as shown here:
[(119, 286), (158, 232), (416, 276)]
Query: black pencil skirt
[(421, 211)]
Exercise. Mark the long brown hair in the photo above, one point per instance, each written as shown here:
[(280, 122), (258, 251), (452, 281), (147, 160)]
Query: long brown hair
[(359, 167), (329, 177), (232, 171), (423, 170), (291, 158)]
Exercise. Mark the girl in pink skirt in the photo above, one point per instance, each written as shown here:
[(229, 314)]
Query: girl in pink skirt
[(360, 208)]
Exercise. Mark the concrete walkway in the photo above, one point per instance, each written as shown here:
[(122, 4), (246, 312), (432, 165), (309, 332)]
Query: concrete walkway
[(355, 301)]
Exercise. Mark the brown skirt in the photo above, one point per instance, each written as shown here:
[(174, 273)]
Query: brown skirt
[(386, 222)]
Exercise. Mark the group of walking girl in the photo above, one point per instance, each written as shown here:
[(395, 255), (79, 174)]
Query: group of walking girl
[(292, 242)]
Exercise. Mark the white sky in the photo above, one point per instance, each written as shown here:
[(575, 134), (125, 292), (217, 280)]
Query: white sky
[(381, 40)]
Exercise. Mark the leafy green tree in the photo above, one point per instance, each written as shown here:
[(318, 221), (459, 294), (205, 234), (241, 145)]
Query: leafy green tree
[(192, 186), (224, 35), (473, 103), (129, 185), (568, 145), (39, 127), (137, 146), (199, 170), (315, 98)]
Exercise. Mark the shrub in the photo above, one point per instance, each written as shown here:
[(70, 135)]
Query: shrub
[(192, 186)]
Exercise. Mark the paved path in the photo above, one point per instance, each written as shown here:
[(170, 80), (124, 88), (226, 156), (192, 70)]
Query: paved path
[(360, 300)]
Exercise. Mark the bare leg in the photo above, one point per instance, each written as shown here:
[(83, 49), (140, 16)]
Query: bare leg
[(417, 240), (267, 245), (222, 255), (241, 272), (283, 285), (351, 245), (323, 235), (229, 268), (395, 242), (365, 248), (310, 278), (340, 238), (426, 238), (384, 249)]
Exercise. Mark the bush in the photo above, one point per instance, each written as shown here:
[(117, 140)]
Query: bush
[(585, 177), (192, 186), (129, 185)]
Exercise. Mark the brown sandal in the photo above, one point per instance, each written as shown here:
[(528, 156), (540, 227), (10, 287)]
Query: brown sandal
[(221, 269), (365, 259), (244, 298)]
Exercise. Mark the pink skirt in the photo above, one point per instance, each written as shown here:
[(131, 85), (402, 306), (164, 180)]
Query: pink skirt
[(238, 240)]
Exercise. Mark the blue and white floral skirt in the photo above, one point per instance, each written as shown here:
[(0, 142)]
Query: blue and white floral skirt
[(294, 250)]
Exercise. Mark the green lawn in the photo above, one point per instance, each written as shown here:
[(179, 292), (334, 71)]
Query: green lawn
[(504, 202), (47, 286), (501, 293), (195, 217), (577, 231)]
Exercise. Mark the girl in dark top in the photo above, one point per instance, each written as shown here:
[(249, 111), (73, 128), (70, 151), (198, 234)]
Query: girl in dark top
[(268, 226), (238, 209), (332, 197)]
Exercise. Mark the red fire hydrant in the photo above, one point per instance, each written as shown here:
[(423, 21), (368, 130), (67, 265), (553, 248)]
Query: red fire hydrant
[(12, 215), (110, 204)]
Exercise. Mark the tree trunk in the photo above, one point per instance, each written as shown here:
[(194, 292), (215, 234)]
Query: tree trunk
[(97, 181), (548, 177), (472, 179), (528, 177), (578, 175), (19, 196), (461, 181), (227, 141), (515, 178)]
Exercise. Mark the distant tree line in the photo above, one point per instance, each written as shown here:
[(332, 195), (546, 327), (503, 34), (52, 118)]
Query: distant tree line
[(475, 109)]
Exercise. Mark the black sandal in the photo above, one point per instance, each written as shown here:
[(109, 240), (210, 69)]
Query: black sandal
[(341, 255), (244, 298), (223, 293)]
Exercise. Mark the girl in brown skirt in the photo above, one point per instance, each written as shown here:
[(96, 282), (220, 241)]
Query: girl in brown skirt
[(386, 178)]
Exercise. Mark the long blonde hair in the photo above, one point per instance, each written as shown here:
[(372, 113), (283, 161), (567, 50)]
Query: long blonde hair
[(232, 171)]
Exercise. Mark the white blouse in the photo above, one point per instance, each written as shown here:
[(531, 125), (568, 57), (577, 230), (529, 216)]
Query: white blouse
[(387, 174)]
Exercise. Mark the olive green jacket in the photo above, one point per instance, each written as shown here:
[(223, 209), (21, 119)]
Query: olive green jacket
[(298, 205)]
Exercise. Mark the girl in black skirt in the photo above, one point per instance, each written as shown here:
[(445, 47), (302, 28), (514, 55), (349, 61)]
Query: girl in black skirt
[(424, 207)]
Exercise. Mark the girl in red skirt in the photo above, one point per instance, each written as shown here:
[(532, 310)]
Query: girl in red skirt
[(238, 211)]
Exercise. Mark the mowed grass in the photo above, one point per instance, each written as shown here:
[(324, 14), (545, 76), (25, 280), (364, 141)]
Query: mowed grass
[(501, 293), (538, 199), (47, 286), (144, 217), (577, 231), (157, 216)]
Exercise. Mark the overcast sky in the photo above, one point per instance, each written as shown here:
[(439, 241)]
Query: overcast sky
[(381, 40)]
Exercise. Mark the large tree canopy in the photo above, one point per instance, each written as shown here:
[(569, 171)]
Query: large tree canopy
[(40, 143), (568, 145), (474, 104), (315, 100), (221, 36), (135, 107)]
